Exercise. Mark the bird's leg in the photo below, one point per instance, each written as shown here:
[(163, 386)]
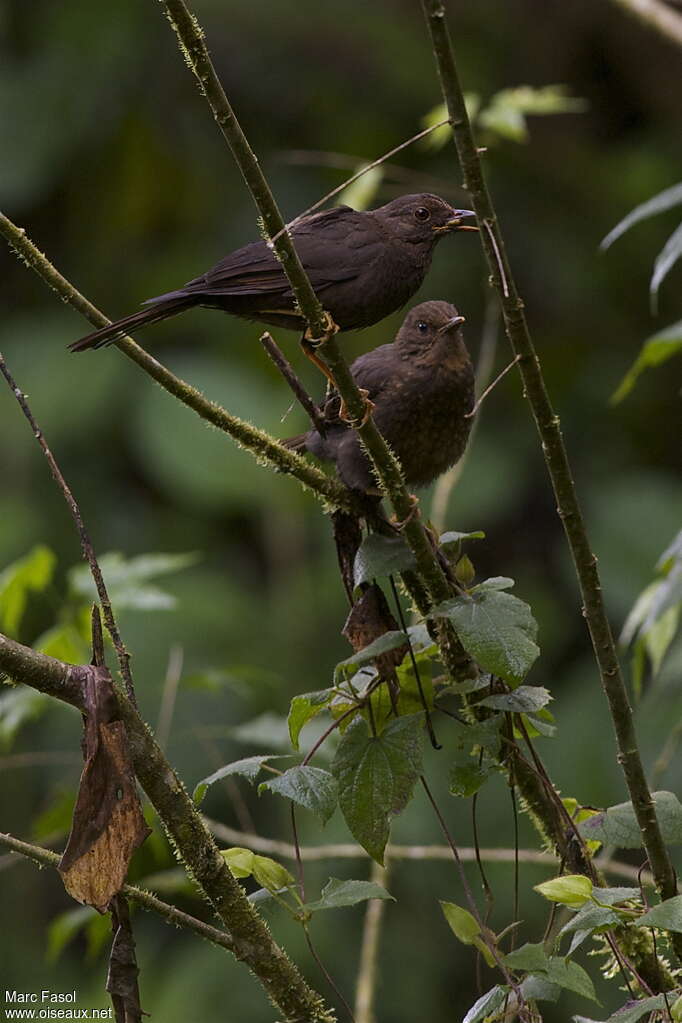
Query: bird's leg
[(310, 346)]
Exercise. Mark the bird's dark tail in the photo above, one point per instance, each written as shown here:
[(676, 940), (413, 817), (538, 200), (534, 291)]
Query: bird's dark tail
[(119, 329), (298, 443)]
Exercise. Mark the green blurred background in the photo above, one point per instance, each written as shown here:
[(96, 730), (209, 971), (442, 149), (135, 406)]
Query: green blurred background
[(112, 163)]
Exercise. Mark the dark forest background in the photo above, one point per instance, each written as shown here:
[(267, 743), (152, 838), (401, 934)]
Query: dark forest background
[(113, 165)]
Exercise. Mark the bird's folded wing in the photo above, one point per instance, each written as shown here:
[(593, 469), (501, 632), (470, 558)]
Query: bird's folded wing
[(327, 244)]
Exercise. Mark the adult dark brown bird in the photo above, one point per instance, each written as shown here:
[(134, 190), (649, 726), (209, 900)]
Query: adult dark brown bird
[(422, 387), (363, 266)]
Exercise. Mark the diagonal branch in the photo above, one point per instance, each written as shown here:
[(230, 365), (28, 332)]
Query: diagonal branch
[(548, 426), (47, 858), (252, 942), (258, 442)]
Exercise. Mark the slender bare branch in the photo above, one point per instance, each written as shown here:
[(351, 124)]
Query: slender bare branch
[(45, 858), (86, 543)]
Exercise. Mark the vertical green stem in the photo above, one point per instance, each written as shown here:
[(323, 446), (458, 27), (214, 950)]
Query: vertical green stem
[(548, 426)]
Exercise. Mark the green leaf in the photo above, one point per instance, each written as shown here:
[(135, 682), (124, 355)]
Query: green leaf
[(614, 896), (656, 350), (463, 925), (248, 767), (466, 929), (382, 645), (126, 580), (665, 261), (408, 698), (487, 1005), (240, 861), (506, 113), (587, 921), (310, 787), (466, 779), (569, 890), (30, 574), (496, 628), (565, 974), (531, 957), (537, 988), (304, 708), (376, 776), (453, 538), (523, 699), (18, 706), (496, 582), (571, 976), (631, 1011), (380, 556), (666, 915), (618, 825), (337, 894), (663, 201), (270, 874)]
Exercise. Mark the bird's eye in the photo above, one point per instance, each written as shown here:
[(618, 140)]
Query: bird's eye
[(421, 213), (422, 326)]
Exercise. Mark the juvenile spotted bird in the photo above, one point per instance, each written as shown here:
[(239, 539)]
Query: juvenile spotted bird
[(363, 266), (422, 387)]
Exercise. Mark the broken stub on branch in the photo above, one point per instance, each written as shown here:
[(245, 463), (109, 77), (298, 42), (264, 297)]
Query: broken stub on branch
[(107, 825)]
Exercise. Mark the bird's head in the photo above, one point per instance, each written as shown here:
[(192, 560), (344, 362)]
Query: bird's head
[(429, 323), (423, 218)]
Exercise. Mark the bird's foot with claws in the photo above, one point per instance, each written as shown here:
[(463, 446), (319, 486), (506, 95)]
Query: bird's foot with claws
[(346, 417), (413, 513)]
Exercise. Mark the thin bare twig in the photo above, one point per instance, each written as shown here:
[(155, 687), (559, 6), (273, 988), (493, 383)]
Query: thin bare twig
[(45, 858), (348, 850), (491, 387), (287, 370), (86, 543), (484, 367), (359, 174)]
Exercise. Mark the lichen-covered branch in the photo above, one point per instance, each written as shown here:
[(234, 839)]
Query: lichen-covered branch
[(554, 452), (252, 942)]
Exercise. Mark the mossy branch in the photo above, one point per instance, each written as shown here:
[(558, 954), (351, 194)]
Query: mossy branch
[(554, 452), (252, 942)]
